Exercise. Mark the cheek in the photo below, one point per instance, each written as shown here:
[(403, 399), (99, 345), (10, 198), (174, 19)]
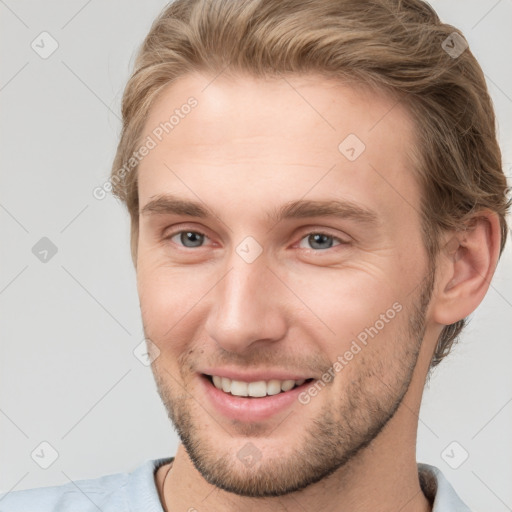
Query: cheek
[(170, 300), (363, 319), (347, 300)]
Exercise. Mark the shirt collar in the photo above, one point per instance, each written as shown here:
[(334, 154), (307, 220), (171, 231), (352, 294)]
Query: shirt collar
[(439, 491)]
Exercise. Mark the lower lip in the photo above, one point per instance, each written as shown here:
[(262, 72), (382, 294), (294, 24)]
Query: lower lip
[(251, 409)]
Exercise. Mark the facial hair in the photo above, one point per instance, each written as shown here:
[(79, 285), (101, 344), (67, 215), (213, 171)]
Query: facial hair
[(331, 440)]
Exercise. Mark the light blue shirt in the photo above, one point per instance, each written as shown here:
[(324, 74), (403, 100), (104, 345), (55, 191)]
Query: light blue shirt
[(137, 492)]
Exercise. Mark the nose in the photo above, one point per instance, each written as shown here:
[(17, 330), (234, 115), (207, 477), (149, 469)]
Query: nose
[(246, 306)]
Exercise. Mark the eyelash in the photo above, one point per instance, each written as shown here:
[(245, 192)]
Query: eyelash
[(341, 242)]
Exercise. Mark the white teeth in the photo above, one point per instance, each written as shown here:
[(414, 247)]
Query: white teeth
[(286, 385), (225, 384), (256, 389), (273, 387), (238, 387)]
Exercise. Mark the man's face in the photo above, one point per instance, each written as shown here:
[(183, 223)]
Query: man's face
[(248, 295)]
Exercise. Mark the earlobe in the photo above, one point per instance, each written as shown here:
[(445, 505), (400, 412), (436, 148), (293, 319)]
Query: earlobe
[(466, 266)]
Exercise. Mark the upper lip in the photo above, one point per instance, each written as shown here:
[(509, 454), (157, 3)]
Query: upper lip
[(254, 375)]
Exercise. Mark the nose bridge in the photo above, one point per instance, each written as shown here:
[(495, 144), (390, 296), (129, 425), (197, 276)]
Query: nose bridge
[(245, 309)]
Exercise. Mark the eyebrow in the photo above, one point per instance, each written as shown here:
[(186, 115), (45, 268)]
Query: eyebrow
[(169, 204)]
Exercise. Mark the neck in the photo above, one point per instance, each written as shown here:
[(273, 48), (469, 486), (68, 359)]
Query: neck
[(383, 476)]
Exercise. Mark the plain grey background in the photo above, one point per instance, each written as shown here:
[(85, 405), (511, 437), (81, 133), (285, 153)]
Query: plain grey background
[(70, 324)]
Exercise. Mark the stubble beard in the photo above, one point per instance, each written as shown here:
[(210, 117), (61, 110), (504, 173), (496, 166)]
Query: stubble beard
[(329, 442)]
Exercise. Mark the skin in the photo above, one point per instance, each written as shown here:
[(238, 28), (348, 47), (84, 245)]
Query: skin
[(251, 145)]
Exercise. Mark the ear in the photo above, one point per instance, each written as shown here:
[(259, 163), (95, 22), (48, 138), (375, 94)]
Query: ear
[(465, 266)]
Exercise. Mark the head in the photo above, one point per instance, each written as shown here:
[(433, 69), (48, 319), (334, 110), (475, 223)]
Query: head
[(245, 108)]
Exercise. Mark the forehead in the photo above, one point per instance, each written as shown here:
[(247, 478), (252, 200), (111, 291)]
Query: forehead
[(290, 134)]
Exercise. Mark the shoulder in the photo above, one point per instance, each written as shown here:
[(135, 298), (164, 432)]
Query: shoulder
[(107, 493), (80, 495)]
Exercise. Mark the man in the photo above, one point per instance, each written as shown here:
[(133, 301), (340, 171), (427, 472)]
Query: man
[(317, 204)]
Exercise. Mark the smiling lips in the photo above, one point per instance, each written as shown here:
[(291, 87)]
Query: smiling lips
[(252, 401), (256, 389)]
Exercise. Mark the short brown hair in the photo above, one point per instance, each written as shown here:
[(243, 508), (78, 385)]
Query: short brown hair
[(394, 45)]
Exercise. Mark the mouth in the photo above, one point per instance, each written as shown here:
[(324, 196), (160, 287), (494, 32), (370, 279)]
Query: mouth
[(252, 401), (257, 389)]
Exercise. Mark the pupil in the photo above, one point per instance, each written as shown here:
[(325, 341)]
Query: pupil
[(190, 236), (317, 238)]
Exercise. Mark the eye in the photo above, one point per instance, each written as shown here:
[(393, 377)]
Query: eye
[(194, 238), (321, 241), (318, 241)]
